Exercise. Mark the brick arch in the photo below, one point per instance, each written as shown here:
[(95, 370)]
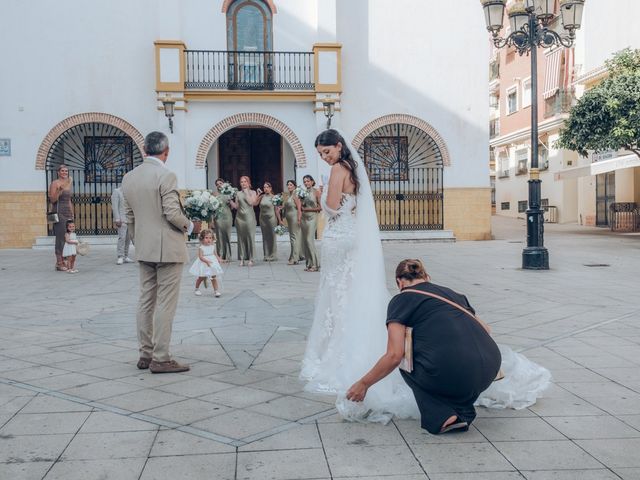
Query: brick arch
[(91, 117), (409, 120), (227, 3), (250, 119)]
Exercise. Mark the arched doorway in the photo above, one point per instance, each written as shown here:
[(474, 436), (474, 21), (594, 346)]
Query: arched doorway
[(98, 156), (405, 166)]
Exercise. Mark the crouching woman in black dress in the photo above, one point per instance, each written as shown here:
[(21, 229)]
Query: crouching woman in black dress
[(454, 357)]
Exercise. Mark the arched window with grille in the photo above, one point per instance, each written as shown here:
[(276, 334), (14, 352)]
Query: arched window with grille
[(250, 43)]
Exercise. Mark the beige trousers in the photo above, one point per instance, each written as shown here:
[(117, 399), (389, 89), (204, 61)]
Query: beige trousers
[(159, 291)]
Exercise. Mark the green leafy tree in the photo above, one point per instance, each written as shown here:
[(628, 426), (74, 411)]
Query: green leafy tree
[(607, 117)]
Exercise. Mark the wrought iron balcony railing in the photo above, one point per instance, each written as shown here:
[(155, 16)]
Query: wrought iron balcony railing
[(234, 70), (494, 128), (494, 70)]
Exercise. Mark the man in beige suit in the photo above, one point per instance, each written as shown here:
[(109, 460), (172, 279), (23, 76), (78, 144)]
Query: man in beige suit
[(157, 223)]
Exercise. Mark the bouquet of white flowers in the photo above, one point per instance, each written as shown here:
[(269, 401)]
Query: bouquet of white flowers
[(301, 192), (201, 205), (277, 200), (280, 230), (227, 189)]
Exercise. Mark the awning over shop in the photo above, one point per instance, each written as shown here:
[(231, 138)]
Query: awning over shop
[(596, 168)]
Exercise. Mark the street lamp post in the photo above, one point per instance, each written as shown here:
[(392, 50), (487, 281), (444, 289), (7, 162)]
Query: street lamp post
[(529, 21)]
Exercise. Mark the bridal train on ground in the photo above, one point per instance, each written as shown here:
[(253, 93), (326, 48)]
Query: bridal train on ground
[(349, 335)]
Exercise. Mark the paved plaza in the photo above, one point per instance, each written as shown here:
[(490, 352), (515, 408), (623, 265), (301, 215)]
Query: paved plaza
[(74, 406)]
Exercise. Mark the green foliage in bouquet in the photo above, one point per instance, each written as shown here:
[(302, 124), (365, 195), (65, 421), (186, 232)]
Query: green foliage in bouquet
[(201, 205)]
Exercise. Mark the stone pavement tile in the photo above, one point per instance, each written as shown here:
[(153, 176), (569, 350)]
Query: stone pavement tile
[(239, 424), (95, 349), (618, 405), (603, 426), (187, 411), (115, 370), (120, 469), (205, 353), (484, 412), (10, 364), (8, 392), (99, 422), (614, 452), (88, 363), (282, 465), (335, 418), (576, 375), (601, 389), (61, 382), (203, 369), (547, 455), (477, 476), (290, 408), (298, 437), (633, 420), (143, 400), (622, 375), (624, 473), (276, 351), (563, 407), (337, 435), (328, 399), (283, 365), (109, 445), (25, 375), (24, 471), (174, 442), (146, 379), (4, 419), (220, 466), (360, 461), (240, 377), (508, 429), (32, 448), (25, 351), (240, 397), (195, 387), (461, 458), (9, 406), (285, 384), (58, 356), (570, 475), (101, 390), (44, 423), (48, 404), (604, 360)]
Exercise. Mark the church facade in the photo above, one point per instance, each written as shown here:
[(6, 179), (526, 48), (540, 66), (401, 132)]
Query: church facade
[(242, 87)]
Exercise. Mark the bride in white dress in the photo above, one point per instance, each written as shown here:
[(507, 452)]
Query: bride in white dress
[(348, 334)]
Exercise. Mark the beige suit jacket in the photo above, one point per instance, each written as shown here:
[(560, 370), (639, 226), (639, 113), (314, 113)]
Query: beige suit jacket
[(154, 214)]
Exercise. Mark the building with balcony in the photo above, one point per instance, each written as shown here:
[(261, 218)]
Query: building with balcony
[(250, 82), (614, 176), (510, 129)]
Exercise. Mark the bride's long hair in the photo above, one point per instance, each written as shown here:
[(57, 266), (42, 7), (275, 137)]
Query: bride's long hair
[(331, 138)]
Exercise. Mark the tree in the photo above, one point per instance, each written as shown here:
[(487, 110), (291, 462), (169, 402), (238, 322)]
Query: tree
[(607, 117)]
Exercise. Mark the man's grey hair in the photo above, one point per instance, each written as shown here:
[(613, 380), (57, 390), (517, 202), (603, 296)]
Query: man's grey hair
[(155, 143)]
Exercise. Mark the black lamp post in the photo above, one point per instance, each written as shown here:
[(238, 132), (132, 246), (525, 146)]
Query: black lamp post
[(529, 21)]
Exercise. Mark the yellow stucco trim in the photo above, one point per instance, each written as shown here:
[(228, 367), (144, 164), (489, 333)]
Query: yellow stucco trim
[(170, 44), (467, 212), (246, 96), (327, 87)]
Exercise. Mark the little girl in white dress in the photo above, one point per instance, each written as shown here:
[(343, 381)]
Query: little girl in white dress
[(207, 264), (69, 250)]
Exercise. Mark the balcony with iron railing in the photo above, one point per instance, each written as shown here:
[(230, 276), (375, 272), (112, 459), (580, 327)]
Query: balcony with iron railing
[(248, 70), (494, 128), (560, 103), (494, 70)]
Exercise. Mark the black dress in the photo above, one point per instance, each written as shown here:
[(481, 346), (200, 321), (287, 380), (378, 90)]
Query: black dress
[(455, 359)]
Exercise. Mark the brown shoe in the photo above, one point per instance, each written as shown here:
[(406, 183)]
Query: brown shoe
[(168, 367), (143, 363)]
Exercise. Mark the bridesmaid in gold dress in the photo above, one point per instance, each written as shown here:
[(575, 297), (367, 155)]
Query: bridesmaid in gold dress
[(268, 223), (245, 221), (293, 215), (310, 206), (223, 224)]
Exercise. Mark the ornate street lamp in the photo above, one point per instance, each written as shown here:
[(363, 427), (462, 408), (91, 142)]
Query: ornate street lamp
[(328, 108), (169, 103), (529, 21)]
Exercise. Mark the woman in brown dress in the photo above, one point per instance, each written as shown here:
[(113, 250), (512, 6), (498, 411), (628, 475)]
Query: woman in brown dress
[(60, 198)]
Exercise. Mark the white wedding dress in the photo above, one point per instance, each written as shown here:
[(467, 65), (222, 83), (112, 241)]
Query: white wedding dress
[(349, 335)]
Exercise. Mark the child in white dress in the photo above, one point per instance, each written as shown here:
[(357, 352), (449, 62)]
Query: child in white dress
[(207, 265), (69, 250)]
